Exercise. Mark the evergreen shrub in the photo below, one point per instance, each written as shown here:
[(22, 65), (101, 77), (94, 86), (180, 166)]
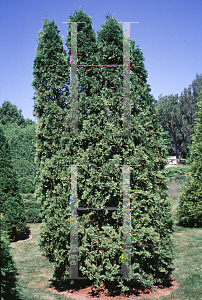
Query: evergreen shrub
[(190, 202), (9, 287), (11, 203), (22, 149), (176, 172), (32, 208)]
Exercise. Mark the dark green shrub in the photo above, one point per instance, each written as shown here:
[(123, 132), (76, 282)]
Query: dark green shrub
[(190, 202), (176, 172), (32, 208), (11, 203), (26, 185), (9, 113), (9, 286), (22, 148)]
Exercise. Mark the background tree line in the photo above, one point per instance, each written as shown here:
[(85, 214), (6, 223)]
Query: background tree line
[(177, 116)]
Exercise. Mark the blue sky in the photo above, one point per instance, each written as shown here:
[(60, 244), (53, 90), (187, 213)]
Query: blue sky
[(169, 33)]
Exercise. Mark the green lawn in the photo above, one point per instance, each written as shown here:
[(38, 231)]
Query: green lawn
[(35, 271)]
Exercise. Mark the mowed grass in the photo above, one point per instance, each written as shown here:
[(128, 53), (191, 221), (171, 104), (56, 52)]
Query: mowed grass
[(188, 255), (35, 271)]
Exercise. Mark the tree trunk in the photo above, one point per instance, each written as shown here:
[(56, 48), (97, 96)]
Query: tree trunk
[(179, 157), (179, 153)]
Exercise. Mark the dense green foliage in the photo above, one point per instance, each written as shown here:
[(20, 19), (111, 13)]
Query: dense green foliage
[(177, 115), (22, 143), (50, 73), (190, 202), (32, 208), (167, 141), (12, 205), (176, 172), (10, 114), (100, 182), (20, 134), (9, 287)]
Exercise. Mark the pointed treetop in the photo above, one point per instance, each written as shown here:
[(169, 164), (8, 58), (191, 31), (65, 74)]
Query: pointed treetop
[(108, 16)]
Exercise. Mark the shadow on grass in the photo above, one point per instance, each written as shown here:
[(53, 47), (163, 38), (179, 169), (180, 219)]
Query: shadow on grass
[(189, 225)]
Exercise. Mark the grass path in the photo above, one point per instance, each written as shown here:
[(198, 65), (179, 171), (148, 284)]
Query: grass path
[(35, 271)]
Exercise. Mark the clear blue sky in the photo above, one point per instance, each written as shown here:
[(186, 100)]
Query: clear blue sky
[(169, 34)]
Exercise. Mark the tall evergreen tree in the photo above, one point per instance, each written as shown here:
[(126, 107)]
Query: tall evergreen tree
[(190, 202), (103, 230), (86, 53), (51, 80), (50, 74), (54, 195), (12, 205), (97, 150)]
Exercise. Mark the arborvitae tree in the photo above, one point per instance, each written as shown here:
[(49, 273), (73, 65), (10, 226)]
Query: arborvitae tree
[(97, 150), (12, 205), (52, 191), (9, 287), (50, 72), (100, 244), (86, 53), (190, 202)]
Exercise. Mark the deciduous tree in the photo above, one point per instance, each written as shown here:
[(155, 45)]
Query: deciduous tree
[(177, 115), (10, 114)]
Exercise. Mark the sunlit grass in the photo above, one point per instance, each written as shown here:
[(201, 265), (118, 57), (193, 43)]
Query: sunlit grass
[(188, 255), (35, 271)]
